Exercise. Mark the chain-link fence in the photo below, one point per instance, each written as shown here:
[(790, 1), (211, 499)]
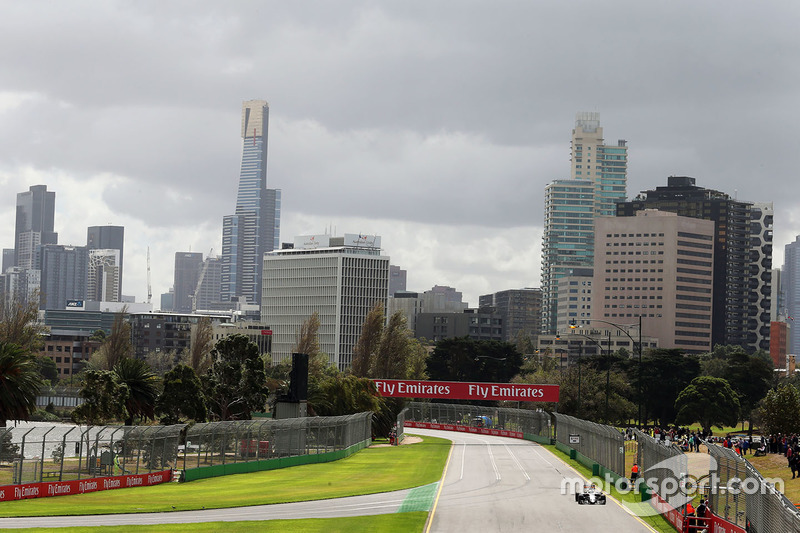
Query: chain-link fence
[(663, 467), (220, 443), (47, 452), (602, 444), (740, 494), (526, 421), (399, 428)]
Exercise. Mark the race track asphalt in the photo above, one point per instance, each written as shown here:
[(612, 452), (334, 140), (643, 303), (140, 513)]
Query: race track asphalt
[(491, 484)]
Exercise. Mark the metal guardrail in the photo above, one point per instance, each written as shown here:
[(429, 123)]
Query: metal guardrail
[(522, 420), (741, 495), (603, 444), (48, 452)]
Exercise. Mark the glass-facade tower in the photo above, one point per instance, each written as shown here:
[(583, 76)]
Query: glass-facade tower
[(598, 182), (255, 227), (790, 289)]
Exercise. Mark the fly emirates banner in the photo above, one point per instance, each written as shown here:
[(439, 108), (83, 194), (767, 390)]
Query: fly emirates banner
[(459, 390)]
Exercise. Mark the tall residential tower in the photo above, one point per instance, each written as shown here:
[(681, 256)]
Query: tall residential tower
[(255, 227), (742, 289), (36, 211), (108, 238), (790, 290), (598, 182)]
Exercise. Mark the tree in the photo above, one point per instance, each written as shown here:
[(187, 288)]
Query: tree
[(47, 369), (391, 360), (664, 374), (524, 343), (236, 384), (142, 386), (344, 394), (750, 376), (708, 400), (117, 345), (307, 340), (777, 412), (182, 398), (105, 397), (162, 362), (19, 324), (583, 392), (417, 367), (98, 336), (199, 355), (20, 382), (365, 350), (465, 359)]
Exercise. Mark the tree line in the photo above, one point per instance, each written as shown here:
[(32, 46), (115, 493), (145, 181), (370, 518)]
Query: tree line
[(230, 379)]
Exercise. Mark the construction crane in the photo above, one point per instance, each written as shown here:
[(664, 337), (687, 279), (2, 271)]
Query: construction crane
[(149, 287)]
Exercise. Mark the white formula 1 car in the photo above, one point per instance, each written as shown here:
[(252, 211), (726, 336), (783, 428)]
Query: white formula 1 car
[(590, 495)]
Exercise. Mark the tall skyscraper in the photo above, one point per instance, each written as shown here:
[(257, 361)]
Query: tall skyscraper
[(103, 275), (790, 290), (598, 181), (657, 266), (742, 298), (340, 278), (206, 294), (520, 310), (187, 271), (109, 238), (64, 274), (36, 210), (8, 258), (255, 227)]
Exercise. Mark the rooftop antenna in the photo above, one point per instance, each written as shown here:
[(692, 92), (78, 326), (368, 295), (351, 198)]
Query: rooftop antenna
[(149, 287)]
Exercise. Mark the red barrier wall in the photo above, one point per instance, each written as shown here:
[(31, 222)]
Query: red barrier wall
[(64, 488), (715, 524), (465, 429)]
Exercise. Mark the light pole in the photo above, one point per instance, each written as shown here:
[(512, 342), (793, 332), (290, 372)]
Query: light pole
[(638, 345), (503, 359), (608, 363)]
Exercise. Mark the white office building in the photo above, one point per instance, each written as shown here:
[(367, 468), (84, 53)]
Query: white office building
[(340, 278)]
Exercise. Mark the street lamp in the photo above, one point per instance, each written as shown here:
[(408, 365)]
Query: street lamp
[(608, 363), (638, 345), (503, 359)]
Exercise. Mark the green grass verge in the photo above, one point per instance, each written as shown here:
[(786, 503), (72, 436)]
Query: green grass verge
[(369, 471), (657, 522), (397, 523)]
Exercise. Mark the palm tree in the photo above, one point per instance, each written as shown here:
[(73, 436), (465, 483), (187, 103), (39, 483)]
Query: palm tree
[(143, 386), (20, 382)]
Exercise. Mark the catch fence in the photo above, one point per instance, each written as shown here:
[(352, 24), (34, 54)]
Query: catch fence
[(38, 453), (740, 494), (32, 454), (664, 466), (535, 425), (601, 444)]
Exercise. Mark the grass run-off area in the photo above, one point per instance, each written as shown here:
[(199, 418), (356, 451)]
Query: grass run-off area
[(397, 523), (775, 465), (372, 470)]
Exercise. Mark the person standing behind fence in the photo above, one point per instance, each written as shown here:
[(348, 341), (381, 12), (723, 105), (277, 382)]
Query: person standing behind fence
[(702, 511)]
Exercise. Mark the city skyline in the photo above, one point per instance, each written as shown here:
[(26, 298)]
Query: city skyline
[(442, 144)]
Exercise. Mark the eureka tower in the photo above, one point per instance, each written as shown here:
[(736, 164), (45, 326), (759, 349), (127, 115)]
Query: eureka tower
[(255, 227)]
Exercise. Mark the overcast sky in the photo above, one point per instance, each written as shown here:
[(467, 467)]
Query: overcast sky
[(436, 125)]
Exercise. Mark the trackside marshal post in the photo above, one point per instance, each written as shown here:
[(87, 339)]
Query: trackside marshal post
[(458, 390)]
